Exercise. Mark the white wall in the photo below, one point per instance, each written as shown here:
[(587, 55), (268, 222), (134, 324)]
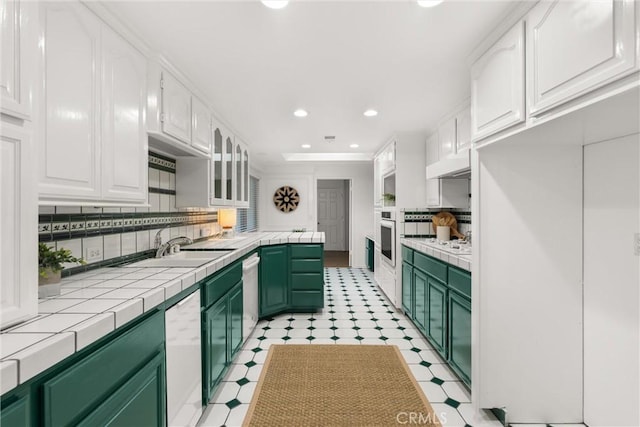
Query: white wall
[(304, 177), (529, 298), (611, 282)]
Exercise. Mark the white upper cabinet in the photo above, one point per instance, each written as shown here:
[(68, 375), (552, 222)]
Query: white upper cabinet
[(18, 227), (176, 108), (124, 140), (216, 179), (70, 115), (92, 135), (228, 169), (16, 35), (388, 158), (245, 177), (576, 46), (432, 156), (377, 181), (463, 130), (201, 126), (497, 85), (447, 138)]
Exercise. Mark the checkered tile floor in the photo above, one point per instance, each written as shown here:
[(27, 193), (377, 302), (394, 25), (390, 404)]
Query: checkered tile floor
[(355, 312)]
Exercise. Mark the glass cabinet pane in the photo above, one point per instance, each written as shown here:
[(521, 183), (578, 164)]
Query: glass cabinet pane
[(238, 173), (245, 169), (228, 158), (216, 159)]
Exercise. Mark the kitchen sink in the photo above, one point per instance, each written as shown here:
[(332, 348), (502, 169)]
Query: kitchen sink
[(182, 259)]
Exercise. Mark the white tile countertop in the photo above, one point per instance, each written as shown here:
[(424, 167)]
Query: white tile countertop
[(95, 303), (432, 248)]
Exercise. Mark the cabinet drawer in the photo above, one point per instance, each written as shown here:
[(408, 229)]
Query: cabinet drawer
[(407, 254), (431, 266), (460, 281), (306, 299), (80, 387), (221, 283), (307, 281), (306, 251), (306, 266)]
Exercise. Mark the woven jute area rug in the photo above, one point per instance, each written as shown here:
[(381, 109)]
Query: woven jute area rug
[(338, 385)]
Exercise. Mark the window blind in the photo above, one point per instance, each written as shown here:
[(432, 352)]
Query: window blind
[(248, 217)]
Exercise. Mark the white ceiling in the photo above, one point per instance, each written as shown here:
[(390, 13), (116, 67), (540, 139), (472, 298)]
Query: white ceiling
[(334, 59)]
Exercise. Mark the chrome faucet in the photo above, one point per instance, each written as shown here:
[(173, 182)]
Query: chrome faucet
[(171, 243), (157, 241)]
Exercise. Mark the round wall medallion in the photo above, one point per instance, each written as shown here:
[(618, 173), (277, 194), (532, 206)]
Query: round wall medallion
[(286, 199)]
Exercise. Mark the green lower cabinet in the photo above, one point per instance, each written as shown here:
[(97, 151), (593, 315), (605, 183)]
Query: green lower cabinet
[(214, 345), (407, 289), (73, 394), (139, 402), (16, 413), (369, 253), (420, 300), (274, 279), (460, 335), (437, 315), (235, 321)]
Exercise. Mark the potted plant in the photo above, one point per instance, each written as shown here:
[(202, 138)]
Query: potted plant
[(50, 268), (389, 199)]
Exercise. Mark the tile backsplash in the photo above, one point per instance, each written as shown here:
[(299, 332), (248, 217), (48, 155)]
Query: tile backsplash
[(417, 222), (110, 235)]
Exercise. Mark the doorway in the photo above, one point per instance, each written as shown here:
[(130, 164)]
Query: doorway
[(334, 199)]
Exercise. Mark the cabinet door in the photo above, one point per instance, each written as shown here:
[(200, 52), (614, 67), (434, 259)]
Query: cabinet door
[(139, 402), (176, 109), (575, 47), (215, 344), (229, 196), (18, 224), (274, 279), (460, 335), (201, 123), (447, 138), (69, 166), (238, 166), (235, 320), (377, 180), (17, 413), (420, 299), (216, 167), (124, 137), (463, 130), (437, 315), (497, 85), (15, 67), (245, 178), (407, 289), (433, 185)]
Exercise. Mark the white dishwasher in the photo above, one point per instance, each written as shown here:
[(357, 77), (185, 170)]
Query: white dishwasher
[(249, 295), (184, 362)]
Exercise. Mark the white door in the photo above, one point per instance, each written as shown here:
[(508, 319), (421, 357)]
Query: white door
[(611, 278), (176, 109), (69, 164), (497, 85), (576, 46), (15, 67), (201, 126), (331, 218), (124, 138), (19, 207)]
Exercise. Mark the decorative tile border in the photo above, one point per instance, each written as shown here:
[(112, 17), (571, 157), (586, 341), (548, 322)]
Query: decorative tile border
[(158, 161), (64, 226), (463, 217), (162, 191)]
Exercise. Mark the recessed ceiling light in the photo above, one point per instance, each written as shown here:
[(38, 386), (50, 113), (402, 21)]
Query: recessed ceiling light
[(429, 3), (354, 146), (306, 146), (371, 113), (300, 113), (275, 4)]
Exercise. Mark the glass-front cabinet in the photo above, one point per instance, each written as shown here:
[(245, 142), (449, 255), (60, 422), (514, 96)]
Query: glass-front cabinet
[(245, 170), (216, 197), (228, 170), (242, 174)]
